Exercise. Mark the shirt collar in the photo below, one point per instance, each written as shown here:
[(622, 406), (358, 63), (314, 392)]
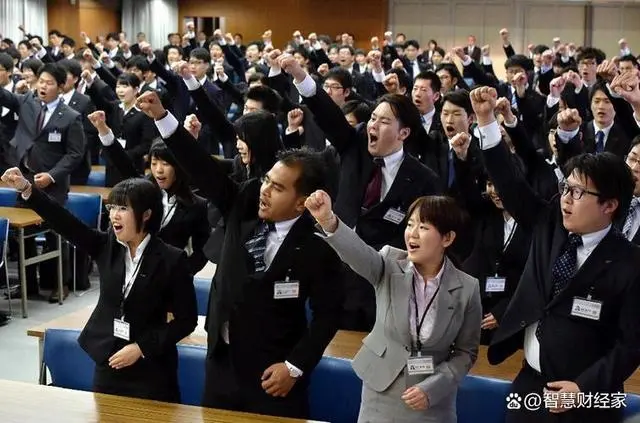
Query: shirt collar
[(166, 199), (590, 241), (52, 106), (139, 250), (283, 228), (9, 86), (203, 80), (121, 105), (67, 97), (429, 116), (393, 159), (605, 130), (437, 279)]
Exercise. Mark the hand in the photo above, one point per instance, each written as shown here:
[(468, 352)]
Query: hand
[(569, 120), (35, 43), (574, 79), (266, 36), (228, 37), (323, 69), (415, 398), (459, 51), (291, 66), (375, 43), (397, 64), (87, 55), (391, 83), (557, 86), (84, 37), (21, 28), (14, 179), (563, 386), (183, 69), (375, 59), (483, 100), (42, 180), (486, 50), (272, 57), (219, 70), (22, 87), (626, 86), (151, 105), (276, 380), (193, 125), (86, 76), (319, 205), (503, 107), (520, 81), (105, 58), (98, 120), (217, 35), (124, 46), (489, 322), (460, 144), (295, 118), (547, 58), (504, 33), (127, 356), (146, 49), (530, 47), (607, 70)]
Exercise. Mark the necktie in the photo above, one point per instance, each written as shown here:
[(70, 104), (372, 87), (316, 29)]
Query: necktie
[(374, 188), (41, 115), (599, 142), (257, 245), (452, 172), (632, 216), (563, 269)]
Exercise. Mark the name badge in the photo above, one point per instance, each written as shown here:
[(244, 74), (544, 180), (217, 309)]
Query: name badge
[(122, 142), (495, 284), (285, 290), (420, 365), (121, 329), (586, 308), (55, 136), (394, 216)]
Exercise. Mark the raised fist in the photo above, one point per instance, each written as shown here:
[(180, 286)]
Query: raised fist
[(569, 120)]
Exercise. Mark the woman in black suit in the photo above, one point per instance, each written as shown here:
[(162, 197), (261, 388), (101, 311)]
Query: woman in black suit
[(184, 214), (141, 279), (500, 247)]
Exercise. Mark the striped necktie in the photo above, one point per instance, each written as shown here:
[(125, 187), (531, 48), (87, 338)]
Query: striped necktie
[(257, 245), (632, 216)]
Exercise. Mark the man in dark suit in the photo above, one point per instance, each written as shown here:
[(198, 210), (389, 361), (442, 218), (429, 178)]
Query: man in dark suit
[(413, 62), (54, 49), (378, 181), (8, 120), (135, 48), (631, 225), (580, 287), (472, 50), (363, 82), (271, 263)]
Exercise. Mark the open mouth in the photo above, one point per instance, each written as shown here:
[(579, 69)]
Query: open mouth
[(450, 130), (117, 228), (412, 246), (263, 204), (373, 138)]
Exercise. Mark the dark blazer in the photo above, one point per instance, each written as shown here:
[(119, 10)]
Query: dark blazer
[(59, 159), (597, 355), (135, 127), (189, 220), (616, 143), (163, 284), (243, 298), (83, 105), (476, 54)]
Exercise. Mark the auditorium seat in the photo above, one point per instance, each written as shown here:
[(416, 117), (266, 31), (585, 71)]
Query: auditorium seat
[(191, 369), (482, 400), (334, 391), (632, 405), (69, 365), (96, 179), (202, 287), (8, 197)]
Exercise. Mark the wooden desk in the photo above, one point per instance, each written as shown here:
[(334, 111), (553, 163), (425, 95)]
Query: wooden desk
[(97, 168), (85, 189), (21, 219), (18, 404)]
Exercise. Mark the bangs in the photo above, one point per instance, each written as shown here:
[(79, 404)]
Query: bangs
[(160, 151), (440, 211), (120, 194)]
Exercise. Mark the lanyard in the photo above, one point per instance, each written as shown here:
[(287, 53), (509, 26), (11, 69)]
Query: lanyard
[(509, 237), (419, 325), (166, 217), (127, 285)]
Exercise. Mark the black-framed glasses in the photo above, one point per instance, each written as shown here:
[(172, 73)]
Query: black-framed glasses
[(632, 161), (576, 192)]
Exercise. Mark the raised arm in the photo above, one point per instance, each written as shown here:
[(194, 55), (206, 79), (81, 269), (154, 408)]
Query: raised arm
[(114, 152), (57, 217)]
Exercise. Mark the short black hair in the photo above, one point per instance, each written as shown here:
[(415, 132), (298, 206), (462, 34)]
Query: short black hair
[(258, 76), (269, 98), (635, 141), (610, 176), (55, 32), (540, 48), (141, 34), (25, 43), (342, 76), (441, 211), (59, 74), (141, 195), (201, 54), (259, 130), (69, 41), (452, 70), (258, 44), (352, 51), (459, 98), (519, 60), (128, 79), (359, 109), (600, 85), (6, 62), (302, 52), (412, 43), (172, 34), (436, 85), (440, 50), (71, 66), (312, 166), (588, 53), (630, 58), (139, 62), (112, 36), (403, 109), (33, 65), (177, 48), (13, 52)]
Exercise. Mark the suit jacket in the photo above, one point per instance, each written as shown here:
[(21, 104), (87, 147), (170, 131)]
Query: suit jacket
[(609, 349), (189, 220), (476, 54), (263, 330), (59, 159), (423, 65), (83, 105), (616, 143), (456, 331), (163, 284)]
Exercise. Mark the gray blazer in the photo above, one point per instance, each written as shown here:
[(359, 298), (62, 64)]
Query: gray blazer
[(456, 334)]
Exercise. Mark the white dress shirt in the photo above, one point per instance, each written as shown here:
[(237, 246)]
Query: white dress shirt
[(51, 107), (510, 226), (606, 131), (424, 292), (132, 265), (66, 98), (169, 205), (9, 87), (392, 163), (428, 119)]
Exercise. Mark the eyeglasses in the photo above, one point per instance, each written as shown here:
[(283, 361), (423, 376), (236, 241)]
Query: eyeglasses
[(332, 87), (115, 208), (576, 192), (632, 161)]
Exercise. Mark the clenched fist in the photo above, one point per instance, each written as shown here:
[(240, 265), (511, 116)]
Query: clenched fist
[(14, 179), (319, 205), (151, 105), (557, 86), (483, 100), (99, 121), (295, 118), (193, 125), (569, 120), (460, 145)]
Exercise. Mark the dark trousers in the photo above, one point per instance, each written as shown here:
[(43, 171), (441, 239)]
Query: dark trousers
[(359, 306), (225, 390), (144, 379)]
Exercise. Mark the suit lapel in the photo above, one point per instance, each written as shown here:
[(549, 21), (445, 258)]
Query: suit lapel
[(400, 294), (401, 182), (559, 238), (446, 301), (55, 117), (150, 260)]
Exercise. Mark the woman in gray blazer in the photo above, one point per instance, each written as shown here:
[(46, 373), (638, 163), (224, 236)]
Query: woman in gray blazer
[(408, 377)]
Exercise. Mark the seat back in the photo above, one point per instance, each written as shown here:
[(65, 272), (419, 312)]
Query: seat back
[(191, 373), (69, 365), (86, 207), (8, 197), (97, 179), (482, 400), (4, 236), (202, 287), (632, 408), (334, 391)]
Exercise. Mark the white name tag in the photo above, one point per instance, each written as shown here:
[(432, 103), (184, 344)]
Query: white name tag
[(394, 216), (588, 309), (122, 142), (55, 136), (284, 290), (495, 284), (420, 365), (121, 329)]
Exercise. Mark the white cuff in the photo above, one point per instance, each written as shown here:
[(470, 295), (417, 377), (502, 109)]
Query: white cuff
[(191, 83), (378, 76), (151, 58), (97, 64), (578, 89), (289, 131), (222, 42), (511, 124), (293, 369), (565, 59), (486, 60), (41, 53), (490, 135), (467, 61), (107, 139), (127, 54), (274, 71), (224, 78), (552, 101), (306, 88), (545, 69), (317, 45), (637, 119), (566, 136), (110, 65), (167, 125)]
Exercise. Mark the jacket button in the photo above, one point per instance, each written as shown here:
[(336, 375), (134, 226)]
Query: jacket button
[(523, 324)]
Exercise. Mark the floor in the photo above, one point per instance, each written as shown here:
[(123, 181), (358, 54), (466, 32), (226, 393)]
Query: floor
[(19, 352)]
